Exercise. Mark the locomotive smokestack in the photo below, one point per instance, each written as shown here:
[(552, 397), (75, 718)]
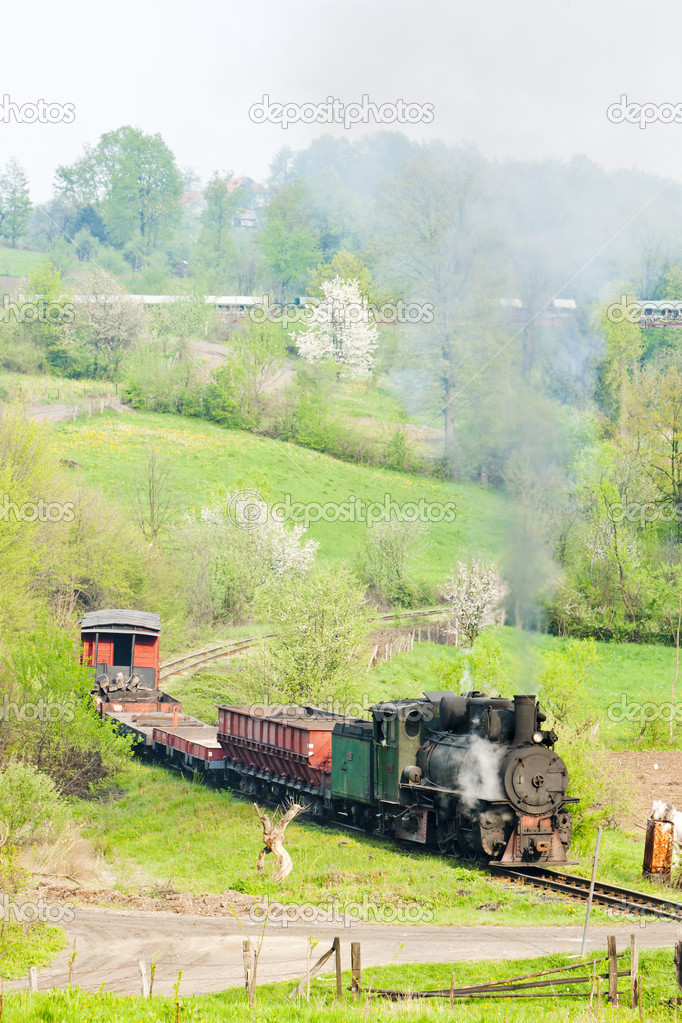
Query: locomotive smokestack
[(524, 715)]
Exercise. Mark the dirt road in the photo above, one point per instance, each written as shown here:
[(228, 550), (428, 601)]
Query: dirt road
[(208, 950)]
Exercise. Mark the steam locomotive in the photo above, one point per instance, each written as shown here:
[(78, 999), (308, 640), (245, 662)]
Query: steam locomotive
[(472, 774)]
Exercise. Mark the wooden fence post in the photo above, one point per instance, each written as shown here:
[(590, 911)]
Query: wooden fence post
[(337, 951), (304, 985), (634, 971), (32, 979), (678, 963), (452, 992), (248, 969), (143, 978), (307, 974), (356, 968), (613, 969)]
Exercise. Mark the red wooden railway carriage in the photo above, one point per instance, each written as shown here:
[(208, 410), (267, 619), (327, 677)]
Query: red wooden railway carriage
[(116, 641)]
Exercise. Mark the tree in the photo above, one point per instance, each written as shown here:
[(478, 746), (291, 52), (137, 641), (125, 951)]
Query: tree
[(215, 246), (567, 679), (133, 181), (389, 548), (653, 413), (438, 245), (54, 331), (281, 167), (109, 322), (153, 502), (289, 241), (348, 267), (256, 356), (321, 621), (15, 202), (341, 330), (624, 348), (473, 594)]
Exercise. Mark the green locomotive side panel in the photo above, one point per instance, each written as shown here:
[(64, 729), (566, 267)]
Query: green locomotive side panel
[(387, 761), (352, 767)]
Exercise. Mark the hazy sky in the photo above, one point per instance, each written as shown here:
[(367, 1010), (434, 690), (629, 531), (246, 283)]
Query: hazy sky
[(524, 80)]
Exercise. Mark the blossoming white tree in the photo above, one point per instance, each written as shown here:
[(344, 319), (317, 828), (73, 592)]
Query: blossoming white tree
[(279, 548), (340, 330), (474, 593)]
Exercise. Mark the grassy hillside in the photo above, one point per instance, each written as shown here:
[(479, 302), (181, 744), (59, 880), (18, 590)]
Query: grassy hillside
[(18, 262), (209, 463)]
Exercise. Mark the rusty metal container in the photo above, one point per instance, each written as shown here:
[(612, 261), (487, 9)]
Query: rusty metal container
[(658, 849)]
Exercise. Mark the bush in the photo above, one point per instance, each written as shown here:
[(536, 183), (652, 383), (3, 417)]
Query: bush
[(30, 804), (62, 736)]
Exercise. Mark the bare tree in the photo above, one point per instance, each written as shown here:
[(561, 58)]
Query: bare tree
[(153, 502), (273, 839)]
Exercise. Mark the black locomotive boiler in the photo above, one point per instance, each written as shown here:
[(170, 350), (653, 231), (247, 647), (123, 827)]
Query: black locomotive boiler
[(472, 774)]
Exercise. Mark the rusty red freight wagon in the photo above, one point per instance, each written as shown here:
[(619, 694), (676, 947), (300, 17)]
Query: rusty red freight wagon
[(192, 744), (293, 744)]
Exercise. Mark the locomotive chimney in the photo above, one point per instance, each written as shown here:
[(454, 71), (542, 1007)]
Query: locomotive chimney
[(524, 716)]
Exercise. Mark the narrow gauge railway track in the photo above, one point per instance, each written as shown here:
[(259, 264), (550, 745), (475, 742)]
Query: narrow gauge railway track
[(615, 896), (236, 646)]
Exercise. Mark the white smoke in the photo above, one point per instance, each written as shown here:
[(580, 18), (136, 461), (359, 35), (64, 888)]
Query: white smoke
[(479, 777)]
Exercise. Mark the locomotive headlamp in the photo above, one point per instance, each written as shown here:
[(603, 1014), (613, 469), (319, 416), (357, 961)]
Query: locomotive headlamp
[(538, 737)]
